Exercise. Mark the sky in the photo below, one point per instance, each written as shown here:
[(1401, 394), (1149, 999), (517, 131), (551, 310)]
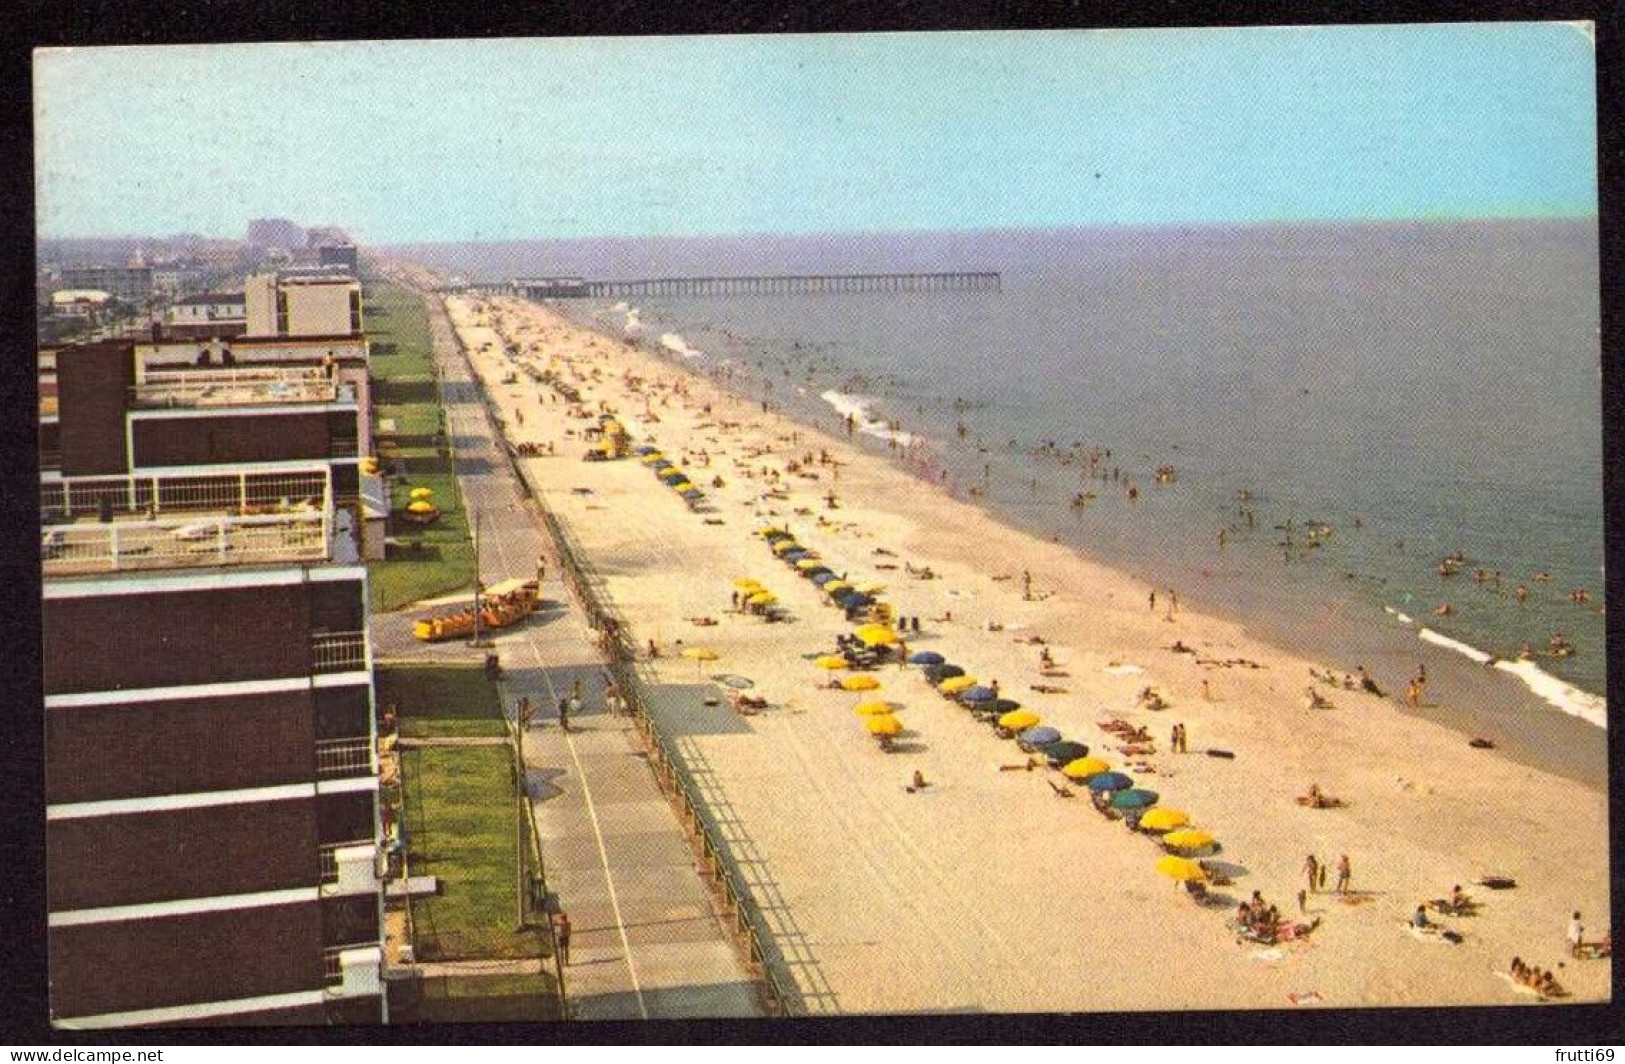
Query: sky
[(418, 141)]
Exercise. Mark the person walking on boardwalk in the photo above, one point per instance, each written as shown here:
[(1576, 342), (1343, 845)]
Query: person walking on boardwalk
[(1344, 873), (561, 930), (564, 714)]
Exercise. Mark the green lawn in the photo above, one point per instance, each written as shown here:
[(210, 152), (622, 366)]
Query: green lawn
[(440, 700), (461, 822), (480, 999), (404, 390)]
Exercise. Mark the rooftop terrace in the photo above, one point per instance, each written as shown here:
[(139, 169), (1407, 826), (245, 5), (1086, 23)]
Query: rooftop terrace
[(258, 386)]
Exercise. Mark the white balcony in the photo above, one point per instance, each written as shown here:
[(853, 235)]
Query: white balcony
[(238, 387), (184, 540)]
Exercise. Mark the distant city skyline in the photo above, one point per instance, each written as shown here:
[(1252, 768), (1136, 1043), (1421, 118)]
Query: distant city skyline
[(704, 136)]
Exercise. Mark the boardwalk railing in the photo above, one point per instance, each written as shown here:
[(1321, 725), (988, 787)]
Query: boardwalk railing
[(669, 771)]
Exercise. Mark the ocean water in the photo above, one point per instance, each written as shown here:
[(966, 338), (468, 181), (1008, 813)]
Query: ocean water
[(1375, 397)]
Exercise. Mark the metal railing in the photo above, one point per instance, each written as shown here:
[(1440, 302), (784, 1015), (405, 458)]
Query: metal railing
[(245, 492), (183, 541), (344, 757), (332, 970), (338, 651), (672, 775), (234, 387), (328, 863)]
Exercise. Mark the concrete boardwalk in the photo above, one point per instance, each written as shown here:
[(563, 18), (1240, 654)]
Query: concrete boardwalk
[(646, 940)]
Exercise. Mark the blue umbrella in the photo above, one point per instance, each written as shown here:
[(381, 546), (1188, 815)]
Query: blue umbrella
[(857, 600), (692, 493), (1134, 798), (795, 554), (821, 576), (926, 657), (939, 673), (645, 449), (1042, 735), (1110, 781), (979, 694)]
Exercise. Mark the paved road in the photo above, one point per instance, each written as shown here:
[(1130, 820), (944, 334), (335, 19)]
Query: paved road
[(647, 942)]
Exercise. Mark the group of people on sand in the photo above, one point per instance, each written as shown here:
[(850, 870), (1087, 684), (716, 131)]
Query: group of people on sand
[(1542, 982)]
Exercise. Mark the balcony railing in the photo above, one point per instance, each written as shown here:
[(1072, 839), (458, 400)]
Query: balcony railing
[(327, 857), (236, 387), (332, 971), (183, 541), (343, 757), (338, 651)]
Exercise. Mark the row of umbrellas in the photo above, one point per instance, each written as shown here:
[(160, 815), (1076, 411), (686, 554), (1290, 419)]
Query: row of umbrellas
[(753, 593), (1115, 789), (809, 566), (669, 474)]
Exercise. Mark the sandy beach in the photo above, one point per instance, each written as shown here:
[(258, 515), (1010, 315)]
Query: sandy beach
[(988, 890)]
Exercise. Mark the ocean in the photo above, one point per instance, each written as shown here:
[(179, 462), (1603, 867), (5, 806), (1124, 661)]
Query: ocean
[(1349, 405)]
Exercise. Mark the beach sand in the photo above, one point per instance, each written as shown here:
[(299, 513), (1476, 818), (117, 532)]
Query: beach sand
[(987, 891)]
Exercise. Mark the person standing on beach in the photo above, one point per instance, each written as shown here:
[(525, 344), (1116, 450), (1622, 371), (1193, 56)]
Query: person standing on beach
[(1311, 871), (1344, 874), (1320, 876), (1153, 600), (1576, 935)]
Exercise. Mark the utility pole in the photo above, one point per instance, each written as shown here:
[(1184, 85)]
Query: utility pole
[(479, 585)]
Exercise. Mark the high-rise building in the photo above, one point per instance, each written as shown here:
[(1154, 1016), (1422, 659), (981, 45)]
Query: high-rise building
[(213, 834), (310, 302)]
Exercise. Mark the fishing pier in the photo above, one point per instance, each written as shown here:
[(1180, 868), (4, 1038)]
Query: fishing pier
[(768, 285)]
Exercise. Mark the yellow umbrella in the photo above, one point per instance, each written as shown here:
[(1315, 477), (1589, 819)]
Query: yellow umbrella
[(1164, 819), (876, 635), (1019, 720), (872, 708), (955, 684), (651, 458), (832, 661), (681, 485), (763, 598), (1084, 767), (784, 546), (1181, 868), (885, 724), (1186, 838), (873, 587), (860, 683), (700, 653), (420, 507), (808, 563), (745, 583), (422, 493), (768, 531)]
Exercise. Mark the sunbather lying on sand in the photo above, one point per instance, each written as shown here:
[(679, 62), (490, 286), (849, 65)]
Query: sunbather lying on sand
[(1316, 800)]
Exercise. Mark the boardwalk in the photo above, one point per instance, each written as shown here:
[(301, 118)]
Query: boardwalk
[(646, 941)]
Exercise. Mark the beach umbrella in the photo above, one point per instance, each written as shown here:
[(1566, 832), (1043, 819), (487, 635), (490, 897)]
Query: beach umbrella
[(955, 684), (1134, 798), (672, 475), (926, 657), (809, 562), (420, 506), (1042, 735), (978, 693), (692, 494), (661, 463), (885, 724), (700, 653), (820, 576), (650, 457), (1087, 768), (682, 487), (872, 708), (833, 586), (832, 661), (784, 545), (860, 683), (771, 531), (1165, 819), (645, 450), (422, 493), (1065, 751), (876, 635), (1019, 720), (1110, 781), (1181, 868), (795, 554), (763, 598), (745, 583), (1185, 838), (853, 600)]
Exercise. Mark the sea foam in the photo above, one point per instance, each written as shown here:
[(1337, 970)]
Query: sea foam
[(1555, 692), (861, 411), (675, 343)]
